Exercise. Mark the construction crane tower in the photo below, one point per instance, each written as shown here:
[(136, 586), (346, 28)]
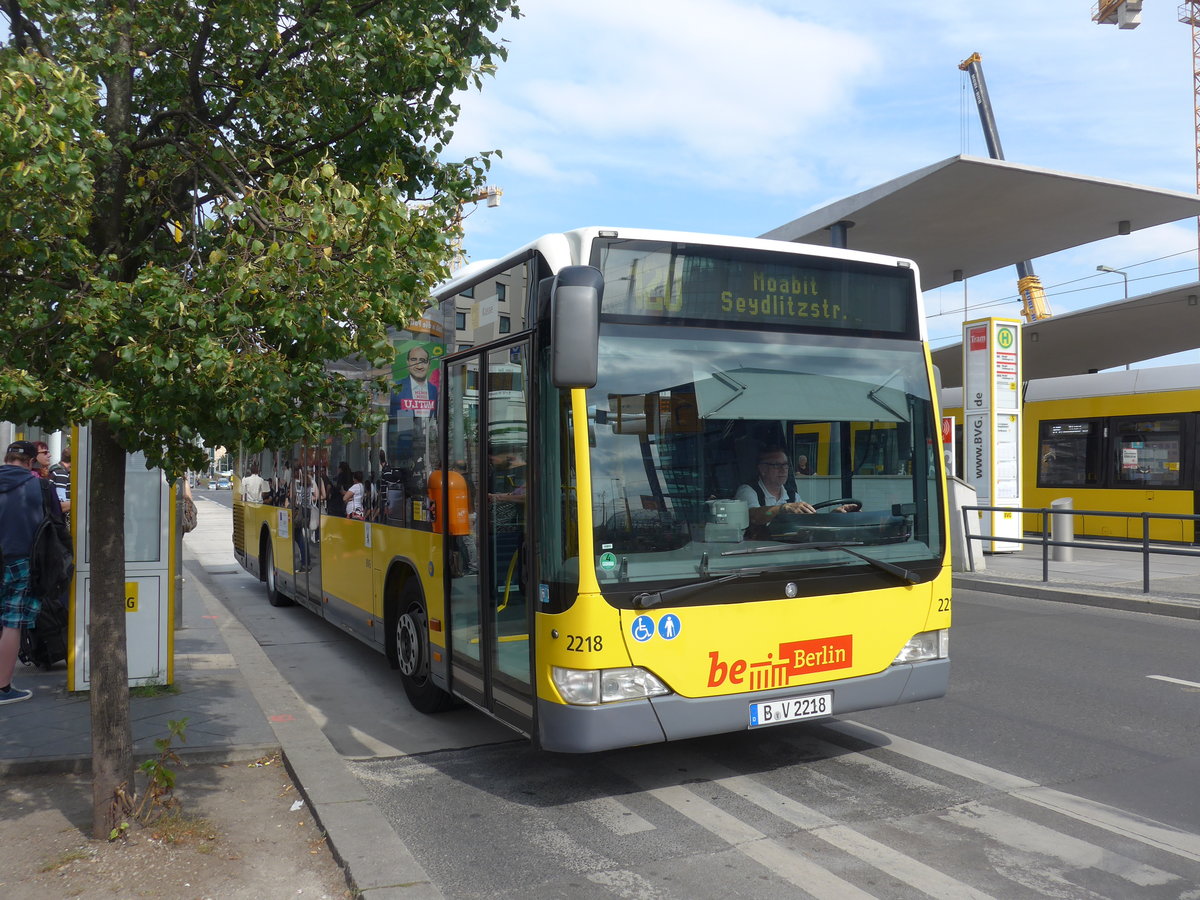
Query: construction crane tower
[(1127, 14), (1029, 286)]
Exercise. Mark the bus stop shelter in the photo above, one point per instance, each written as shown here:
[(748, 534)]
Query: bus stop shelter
[(965, 216)]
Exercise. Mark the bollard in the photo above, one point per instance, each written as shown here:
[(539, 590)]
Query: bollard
[(1062, 528)]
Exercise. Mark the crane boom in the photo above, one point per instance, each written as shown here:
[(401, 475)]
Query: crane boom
[(1029, 286)]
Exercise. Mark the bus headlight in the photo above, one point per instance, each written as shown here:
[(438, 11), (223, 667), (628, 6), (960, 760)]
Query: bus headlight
[(590, 687), (925, 646)]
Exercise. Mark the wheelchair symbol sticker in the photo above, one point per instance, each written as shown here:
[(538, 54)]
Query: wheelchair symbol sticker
[(668, 627), (642, 629)]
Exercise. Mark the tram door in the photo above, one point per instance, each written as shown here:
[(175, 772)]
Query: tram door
[(490, 607)]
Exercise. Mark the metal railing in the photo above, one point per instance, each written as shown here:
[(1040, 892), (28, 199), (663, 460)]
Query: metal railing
[(1046, 542)]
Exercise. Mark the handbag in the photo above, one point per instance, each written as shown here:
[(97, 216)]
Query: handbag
[(190, 515)]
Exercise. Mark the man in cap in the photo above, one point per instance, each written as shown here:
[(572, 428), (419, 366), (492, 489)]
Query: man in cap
[(20, 514)]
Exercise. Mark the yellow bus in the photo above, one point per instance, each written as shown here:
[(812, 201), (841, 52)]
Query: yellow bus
[(1123, 441), (636, 486)]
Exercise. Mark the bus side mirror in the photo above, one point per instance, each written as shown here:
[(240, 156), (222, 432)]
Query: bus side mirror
[(575, 326)]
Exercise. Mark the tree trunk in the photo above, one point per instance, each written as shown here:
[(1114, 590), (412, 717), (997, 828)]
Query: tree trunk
[(112, 731)]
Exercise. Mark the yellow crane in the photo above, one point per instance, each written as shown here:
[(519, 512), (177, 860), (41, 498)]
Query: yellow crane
[(1029, 286)]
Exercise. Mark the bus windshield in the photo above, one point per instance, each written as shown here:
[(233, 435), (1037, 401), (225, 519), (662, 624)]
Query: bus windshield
[(694, 430)]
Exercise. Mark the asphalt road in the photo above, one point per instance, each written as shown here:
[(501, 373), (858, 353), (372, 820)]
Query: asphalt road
[(1064, 762)]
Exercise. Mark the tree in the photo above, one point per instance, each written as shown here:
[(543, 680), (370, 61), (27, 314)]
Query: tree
[(201, 203)]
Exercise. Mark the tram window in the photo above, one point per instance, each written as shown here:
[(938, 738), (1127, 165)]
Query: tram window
[(1148, 452), (1069, 454)]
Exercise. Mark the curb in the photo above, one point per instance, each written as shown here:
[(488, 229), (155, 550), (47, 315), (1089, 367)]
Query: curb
[(1082, 596), (377, 863)]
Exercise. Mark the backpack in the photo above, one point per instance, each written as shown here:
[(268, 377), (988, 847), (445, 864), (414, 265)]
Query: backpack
[(51, 559), (46, 643)]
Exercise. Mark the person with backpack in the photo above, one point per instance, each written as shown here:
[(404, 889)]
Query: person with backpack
[(21, 512)]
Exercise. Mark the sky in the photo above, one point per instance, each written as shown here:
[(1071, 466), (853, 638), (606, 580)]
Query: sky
[(736, 116)]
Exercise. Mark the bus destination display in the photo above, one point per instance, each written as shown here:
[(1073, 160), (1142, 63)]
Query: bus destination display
[(707, 284)]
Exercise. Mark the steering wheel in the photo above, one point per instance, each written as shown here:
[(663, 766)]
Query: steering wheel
[(842, 502)]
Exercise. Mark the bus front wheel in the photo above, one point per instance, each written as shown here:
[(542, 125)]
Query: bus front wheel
[(410, 646)]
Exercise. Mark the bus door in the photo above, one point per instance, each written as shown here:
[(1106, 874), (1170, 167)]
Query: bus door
[(490, 608), (303, 500)]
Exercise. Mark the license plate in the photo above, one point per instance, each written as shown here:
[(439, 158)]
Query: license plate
[(793, 709)]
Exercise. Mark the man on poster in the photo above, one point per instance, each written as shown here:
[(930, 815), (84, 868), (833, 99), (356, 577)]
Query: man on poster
[(416, 394)]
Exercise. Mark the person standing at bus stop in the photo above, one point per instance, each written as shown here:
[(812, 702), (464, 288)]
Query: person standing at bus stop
[(60, 477), (20, 514)]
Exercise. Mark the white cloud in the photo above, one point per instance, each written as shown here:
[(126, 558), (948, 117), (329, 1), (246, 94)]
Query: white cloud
[(700, 91)]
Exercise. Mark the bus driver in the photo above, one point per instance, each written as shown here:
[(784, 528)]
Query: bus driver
[(771, 496)]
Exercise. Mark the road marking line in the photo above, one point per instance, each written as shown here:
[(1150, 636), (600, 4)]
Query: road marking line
[(1191, 684), (779, 859), (1030, 837), (1101, 815), (814, 879), (904, 868), (627, 885), (615, 815)]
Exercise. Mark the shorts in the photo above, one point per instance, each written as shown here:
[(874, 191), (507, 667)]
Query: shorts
[(18, 607)]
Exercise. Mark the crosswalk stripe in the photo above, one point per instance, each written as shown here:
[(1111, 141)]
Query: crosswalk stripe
[(814, 879), (1101, 815), (627, 885), (900, 866), (747, 839), (614, 815), (1022, 834)]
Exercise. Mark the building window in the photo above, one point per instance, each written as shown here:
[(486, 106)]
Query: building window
[(467, 292), (460, 321), (505, 324), (501, 292)]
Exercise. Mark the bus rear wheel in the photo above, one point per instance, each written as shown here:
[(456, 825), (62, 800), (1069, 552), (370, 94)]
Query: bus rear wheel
[(274, 597), (410, 646)]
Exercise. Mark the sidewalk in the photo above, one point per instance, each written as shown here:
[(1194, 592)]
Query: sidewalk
[(238, 707), (1108, 578)]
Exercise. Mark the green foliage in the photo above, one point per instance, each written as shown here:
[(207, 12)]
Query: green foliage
[(158, 798), (202, 204)]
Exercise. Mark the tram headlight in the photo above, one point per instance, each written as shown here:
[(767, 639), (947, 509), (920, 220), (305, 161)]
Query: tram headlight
[(591, 687), (925, 646)]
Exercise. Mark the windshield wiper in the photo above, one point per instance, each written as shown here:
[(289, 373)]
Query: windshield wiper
[(901, 573), (647, 599), (873, 396)]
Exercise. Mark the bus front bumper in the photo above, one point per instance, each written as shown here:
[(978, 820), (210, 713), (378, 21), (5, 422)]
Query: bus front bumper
[(587, 729)]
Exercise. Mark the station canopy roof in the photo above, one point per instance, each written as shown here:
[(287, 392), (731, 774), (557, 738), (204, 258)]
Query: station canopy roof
[(965, 216), (1100, 337)]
